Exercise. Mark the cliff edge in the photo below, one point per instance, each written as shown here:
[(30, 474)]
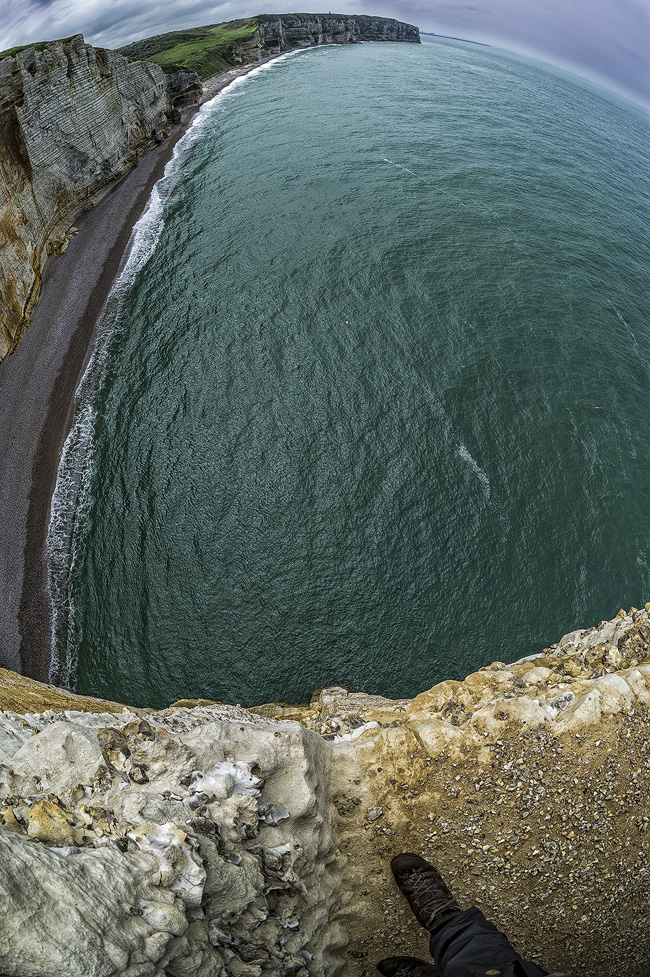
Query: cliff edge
[(214, 48), (73, 120), (209, 840)]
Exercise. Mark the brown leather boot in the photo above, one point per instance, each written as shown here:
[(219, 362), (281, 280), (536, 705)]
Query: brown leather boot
[(430, 899), (405, 967)]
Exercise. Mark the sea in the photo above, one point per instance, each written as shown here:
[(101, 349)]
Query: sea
[(371, 402)]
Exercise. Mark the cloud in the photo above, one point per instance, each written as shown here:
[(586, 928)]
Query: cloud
[(102, 23)]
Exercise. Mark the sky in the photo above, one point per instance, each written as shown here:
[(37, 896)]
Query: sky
[(605, 40)]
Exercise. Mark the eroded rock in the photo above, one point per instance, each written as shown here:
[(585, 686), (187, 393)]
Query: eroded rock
[(250, 845)]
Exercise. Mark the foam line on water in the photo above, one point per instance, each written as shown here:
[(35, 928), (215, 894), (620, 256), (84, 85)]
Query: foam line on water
[(632, 336), (484, 207), (595, 463), (207, 108), (476, 468), (73, 469), (428, 183), (75, 465), (147, 230)]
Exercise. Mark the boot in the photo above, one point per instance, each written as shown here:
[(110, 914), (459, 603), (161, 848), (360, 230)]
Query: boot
[(430, 900), (405, 967)]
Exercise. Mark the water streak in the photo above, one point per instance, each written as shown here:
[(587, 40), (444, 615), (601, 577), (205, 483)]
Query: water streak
[(476, 468)]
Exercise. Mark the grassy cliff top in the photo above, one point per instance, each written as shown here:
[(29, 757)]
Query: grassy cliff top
[(38, 45), (206, 50), (209, 50)]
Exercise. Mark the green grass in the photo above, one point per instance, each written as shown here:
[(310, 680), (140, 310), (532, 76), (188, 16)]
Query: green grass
[(39, 46), (206, 50), (209, 50)]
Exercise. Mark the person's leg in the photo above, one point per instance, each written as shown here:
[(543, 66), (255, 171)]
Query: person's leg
[(463, 942), (469, 945)]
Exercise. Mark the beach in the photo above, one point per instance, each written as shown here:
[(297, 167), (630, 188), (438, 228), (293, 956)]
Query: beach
[(37, 391)]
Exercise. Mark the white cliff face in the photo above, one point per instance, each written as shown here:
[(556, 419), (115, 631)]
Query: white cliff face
[(277, 33), (183, 847), (73, 120), (212, 840)]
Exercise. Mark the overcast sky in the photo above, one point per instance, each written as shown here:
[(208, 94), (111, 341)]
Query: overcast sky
[(606, 40)]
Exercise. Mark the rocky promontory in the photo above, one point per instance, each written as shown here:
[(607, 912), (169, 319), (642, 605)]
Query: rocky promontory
[(214, 48), (73, 120), (276, 33), (210, 840)]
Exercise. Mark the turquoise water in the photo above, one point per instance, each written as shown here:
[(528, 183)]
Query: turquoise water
[(274, 501)]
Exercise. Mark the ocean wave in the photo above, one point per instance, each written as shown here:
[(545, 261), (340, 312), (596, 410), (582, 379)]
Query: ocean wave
[(73, 468)]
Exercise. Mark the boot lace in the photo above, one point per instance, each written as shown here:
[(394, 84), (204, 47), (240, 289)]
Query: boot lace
[(432, 899)]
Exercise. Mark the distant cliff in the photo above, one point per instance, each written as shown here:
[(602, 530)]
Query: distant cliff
[(284, 32), (214, 48), (73, 120)]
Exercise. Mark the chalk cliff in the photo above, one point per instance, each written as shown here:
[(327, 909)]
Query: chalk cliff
[(208, 840), (278, 33), (213, 48), (73, 120)]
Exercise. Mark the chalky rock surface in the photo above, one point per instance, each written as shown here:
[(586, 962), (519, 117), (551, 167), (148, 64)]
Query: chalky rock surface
[(277, 33), (179, 845), (305, 30), (73, 120), (209, 840)]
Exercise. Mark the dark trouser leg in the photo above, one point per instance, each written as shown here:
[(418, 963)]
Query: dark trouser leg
[(469, 945)]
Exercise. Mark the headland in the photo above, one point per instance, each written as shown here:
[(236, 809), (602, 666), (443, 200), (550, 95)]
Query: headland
[(206, 839)]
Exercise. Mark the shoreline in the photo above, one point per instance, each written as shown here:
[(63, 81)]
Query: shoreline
[(38, 385)]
